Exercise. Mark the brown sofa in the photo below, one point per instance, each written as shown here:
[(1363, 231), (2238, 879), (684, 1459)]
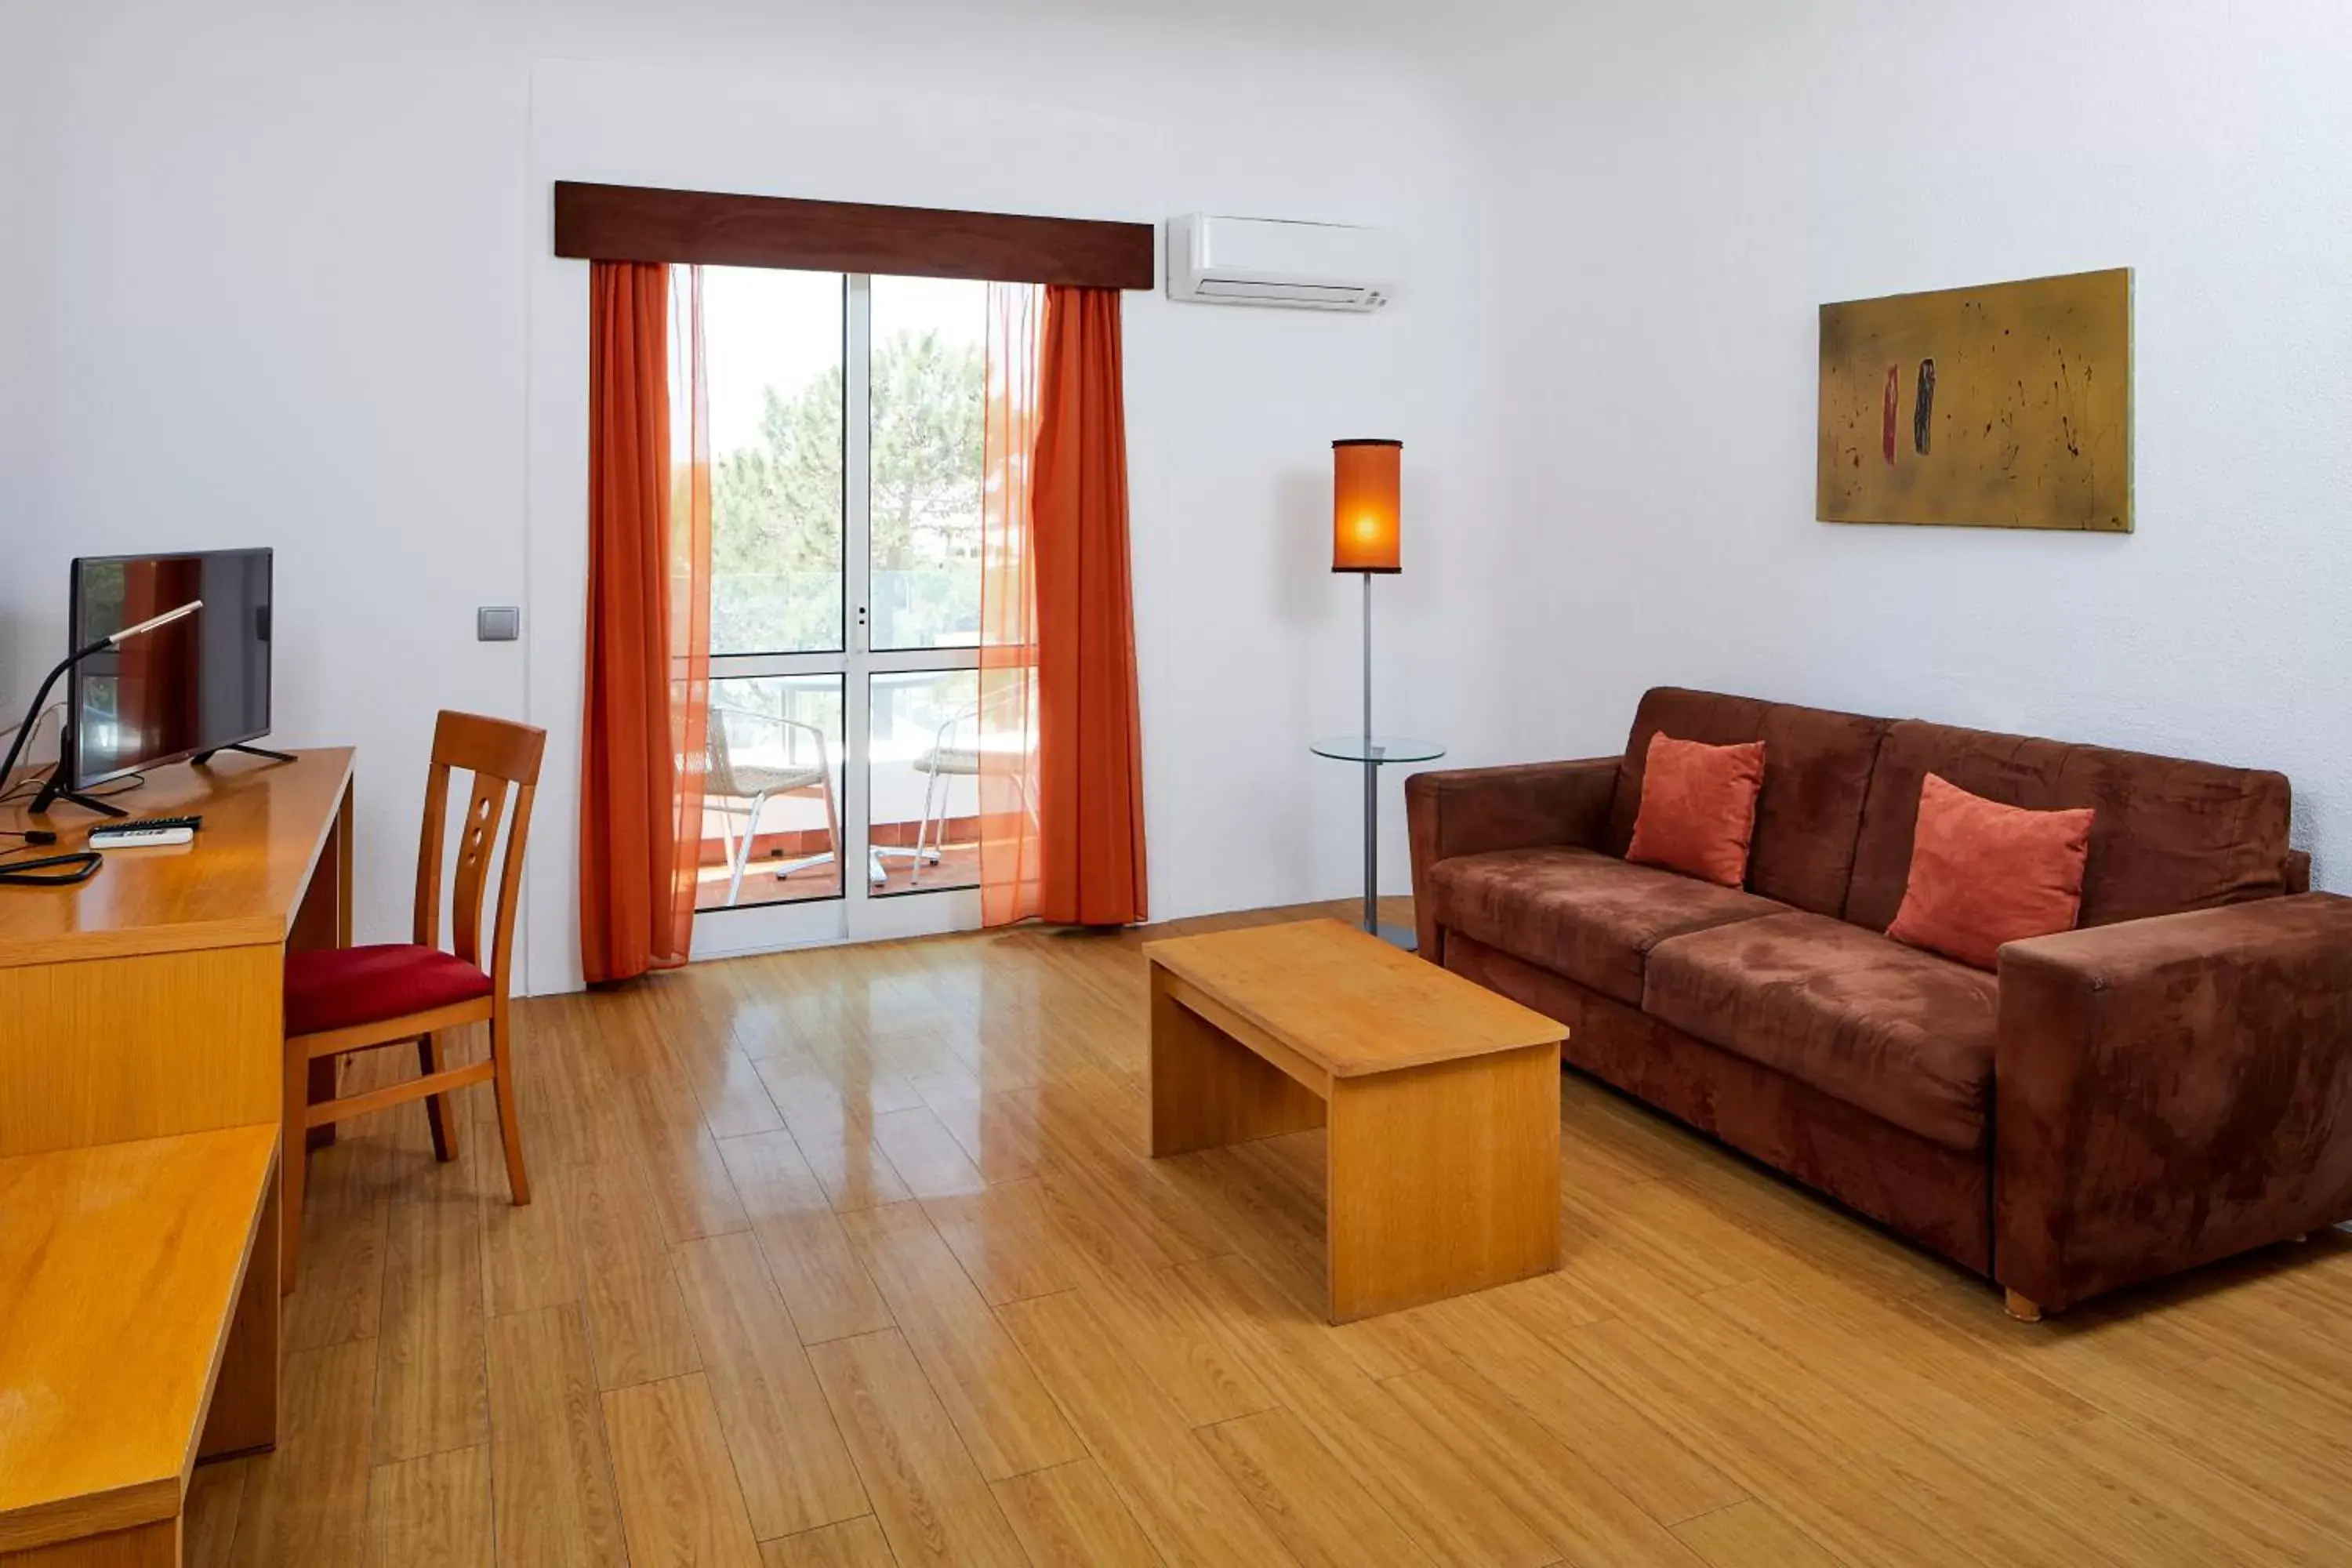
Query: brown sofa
[(2167, 1085)]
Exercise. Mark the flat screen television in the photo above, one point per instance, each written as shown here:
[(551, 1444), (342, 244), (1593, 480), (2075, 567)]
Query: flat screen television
[(200, 684)]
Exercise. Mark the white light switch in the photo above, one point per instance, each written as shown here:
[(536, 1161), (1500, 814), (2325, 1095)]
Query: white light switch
[(498, 622)]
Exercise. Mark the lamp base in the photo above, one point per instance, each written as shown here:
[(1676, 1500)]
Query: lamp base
[(264, 752), (1404, 937), (50, 796)]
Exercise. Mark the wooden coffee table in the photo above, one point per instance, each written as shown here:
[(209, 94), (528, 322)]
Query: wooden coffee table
[(1441, 1165)]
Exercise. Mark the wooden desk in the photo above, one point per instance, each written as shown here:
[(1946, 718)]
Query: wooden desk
[(150, 999), (1441, 1165), (138, 1333)]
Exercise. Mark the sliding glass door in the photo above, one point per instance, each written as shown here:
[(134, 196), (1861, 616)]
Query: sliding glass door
[(846, 446)]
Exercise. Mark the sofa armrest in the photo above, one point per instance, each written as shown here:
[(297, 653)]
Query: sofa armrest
[(1468, 811), (2168, 1091)]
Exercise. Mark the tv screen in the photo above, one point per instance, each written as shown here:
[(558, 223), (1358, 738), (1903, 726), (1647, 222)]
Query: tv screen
[(197, 685)]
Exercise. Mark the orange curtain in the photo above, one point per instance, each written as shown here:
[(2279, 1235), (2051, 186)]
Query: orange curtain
[(649, 646), (1089, 726), (1009, 848)]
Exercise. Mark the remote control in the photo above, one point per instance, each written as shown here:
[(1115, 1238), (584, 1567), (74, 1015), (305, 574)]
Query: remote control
[(141, 824), (140, 836)]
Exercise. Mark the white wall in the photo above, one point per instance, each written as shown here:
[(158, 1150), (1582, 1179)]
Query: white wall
[(278, 272), (28, 131), (278, 299), (300, 293), (1681, 183)]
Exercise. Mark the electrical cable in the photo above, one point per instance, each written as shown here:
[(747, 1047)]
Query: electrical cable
[(51, 870), (29, 785), (19, 866), (58, 706), (32, 786)]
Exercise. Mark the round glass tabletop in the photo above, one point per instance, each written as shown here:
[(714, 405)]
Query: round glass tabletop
[(1377, 749)]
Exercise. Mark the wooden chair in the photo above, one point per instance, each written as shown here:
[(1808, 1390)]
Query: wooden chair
[(358, 998)]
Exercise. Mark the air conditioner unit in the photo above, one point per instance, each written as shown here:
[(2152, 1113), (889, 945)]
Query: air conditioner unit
[(1270, 261)]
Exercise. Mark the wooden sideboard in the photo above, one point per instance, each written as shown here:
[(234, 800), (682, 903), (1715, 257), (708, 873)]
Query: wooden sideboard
[(138, 1334), (144, 1072), (150, 999)]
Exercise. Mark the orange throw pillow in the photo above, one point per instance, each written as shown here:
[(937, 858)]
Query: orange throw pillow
[(1983, 874), (1698, 808)]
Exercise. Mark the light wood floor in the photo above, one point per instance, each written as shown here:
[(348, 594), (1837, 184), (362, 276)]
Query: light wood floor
[(850, 1257)]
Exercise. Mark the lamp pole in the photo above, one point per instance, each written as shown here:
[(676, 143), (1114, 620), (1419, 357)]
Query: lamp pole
[(1367, 751), (1372, 782), (1366, 503)]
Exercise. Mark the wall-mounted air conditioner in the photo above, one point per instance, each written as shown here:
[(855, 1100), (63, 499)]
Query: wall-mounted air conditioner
[(1269, 261)]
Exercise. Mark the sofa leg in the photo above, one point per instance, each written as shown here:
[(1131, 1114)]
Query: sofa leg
[(2023, 1311)]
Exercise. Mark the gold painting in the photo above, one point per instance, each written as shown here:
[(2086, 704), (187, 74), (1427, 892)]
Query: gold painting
[(2004, 406)]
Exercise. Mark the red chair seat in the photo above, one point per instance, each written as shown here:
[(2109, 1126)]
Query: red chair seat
[(334, 988)]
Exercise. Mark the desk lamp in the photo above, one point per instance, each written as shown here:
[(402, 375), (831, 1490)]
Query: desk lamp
[(115, 639)]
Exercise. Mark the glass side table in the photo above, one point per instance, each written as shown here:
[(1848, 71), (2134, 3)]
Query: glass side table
[(1374, 751)]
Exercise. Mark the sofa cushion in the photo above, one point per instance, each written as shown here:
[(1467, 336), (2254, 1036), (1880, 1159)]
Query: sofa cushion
[(1809, 812), (1698, 809), (1983, 874), (1905, 1035), (2171, 836), (1590, 917)]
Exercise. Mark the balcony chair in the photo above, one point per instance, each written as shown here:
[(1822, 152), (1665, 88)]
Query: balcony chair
[(744, 788), (952, 753)]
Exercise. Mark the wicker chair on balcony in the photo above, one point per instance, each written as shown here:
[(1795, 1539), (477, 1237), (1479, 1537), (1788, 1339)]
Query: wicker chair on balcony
[(733, 788), (956, 751)]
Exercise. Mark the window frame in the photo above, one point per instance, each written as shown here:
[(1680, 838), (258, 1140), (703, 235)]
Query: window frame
[(856, 661)]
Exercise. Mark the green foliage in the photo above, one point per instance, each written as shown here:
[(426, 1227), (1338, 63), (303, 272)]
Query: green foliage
[(776, 508), (927, 452)]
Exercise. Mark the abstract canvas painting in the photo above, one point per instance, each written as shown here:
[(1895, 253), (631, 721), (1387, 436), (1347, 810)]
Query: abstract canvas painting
[(2002, 407)]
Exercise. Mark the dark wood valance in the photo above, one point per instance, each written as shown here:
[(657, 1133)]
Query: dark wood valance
[(641, 223)]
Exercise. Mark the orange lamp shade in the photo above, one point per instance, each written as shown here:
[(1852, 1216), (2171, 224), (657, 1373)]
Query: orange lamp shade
[(1366, 520)]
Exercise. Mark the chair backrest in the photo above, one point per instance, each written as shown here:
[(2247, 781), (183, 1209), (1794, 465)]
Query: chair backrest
[(502, 756), (717, 756)]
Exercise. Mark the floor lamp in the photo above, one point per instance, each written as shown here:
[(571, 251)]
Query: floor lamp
[(1366, 538)]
